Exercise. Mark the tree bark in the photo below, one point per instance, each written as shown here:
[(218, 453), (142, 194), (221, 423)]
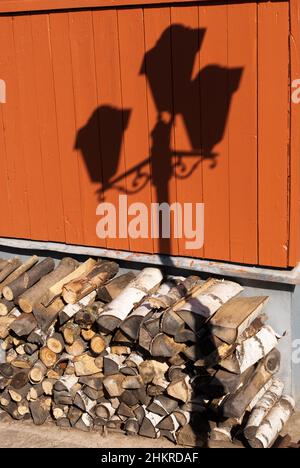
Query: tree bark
[(18, 272)]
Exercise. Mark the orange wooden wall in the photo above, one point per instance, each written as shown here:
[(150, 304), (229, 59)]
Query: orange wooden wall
[(87, 95)]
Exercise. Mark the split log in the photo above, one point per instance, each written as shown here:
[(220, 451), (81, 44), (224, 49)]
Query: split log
[(251, 351), (30, 298), (112, 363), (115, 312), (84, 403), (114, 287), (6, 307), (23, 325), (206, 299), (40, 410), (113, 384), (28, 279), (74, 415), (234, 317), (70, 310), (102, 272), (164, 346), (84, 423), (171, 323), (37, 337), (19, 380), (131, 427), (9, 267), (131, 325), (163, 405), (270, 398), (18, 272), (169, 423), (86, 365), (6, 370), (5, 323), (151, 369), (222, 383), (180, 389), (77, 348), (132, 382), (93, 394), (47, 357), (56, 290), (46, 316), (237, 403), (149, 425), (95, 381), (273, 423), (65, 383)]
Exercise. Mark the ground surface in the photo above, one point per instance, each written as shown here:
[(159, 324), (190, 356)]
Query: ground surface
[(25, 435)]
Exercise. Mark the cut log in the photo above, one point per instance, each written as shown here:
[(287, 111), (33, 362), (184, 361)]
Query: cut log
[(9, 267), (19, 380), (47, 386), (97, 344), (113, 288), (270, 398), (87, 335), (5, 323), (115, 312), (234, 317), (105, 410), (87, 316), (102, 272), (40, 410), (6, 370), (46, 316), (30, 298), (237, 403), (56, 343), (273, 423), (70, 310), (23, 325), (20, 394), (6, 307), (18, 272), (28, 279), (251, 351), (222, 383), (167, 299), (113, 384), (37, 337), (47, 357), (56, 290), (171, 323), (180, 389)]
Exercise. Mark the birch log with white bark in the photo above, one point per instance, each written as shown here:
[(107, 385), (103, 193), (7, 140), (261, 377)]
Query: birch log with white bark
[(273, 423), (115, 312), (262, 408), (251, 351)]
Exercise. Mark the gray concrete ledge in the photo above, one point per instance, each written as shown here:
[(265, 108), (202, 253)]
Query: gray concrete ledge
[(291, 277)]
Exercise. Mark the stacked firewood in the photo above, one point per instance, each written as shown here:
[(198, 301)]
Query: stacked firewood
[(178, 357)]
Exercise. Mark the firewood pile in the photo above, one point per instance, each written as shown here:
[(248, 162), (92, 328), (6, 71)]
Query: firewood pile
[(183, 358)]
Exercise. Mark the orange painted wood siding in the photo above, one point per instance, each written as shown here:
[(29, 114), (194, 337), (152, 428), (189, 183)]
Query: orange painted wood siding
[(186, 102)]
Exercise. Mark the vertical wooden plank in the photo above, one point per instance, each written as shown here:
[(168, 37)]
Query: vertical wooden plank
[(85, 91), (132, 51), (113, 118), (48, 125), (66, 125), (214, 103), (6, 217), (187, 41), (158, 70), (242, 129), (273, 131), (29, 123), (11, 128), (294, 250)]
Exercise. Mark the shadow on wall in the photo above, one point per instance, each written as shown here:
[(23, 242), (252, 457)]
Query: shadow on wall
[(201, 102)]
